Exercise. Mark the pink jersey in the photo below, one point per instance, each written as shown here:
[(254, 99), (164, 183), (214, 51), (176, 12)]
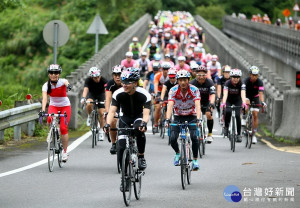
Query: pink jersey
[(127, 64), (185, 67), (58, 95)]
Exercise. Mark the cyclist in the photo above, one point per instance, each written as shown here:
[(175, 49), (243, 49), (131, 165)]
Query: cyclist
[(220, 85), (184, 99), (143, 64), (135, 47), (157, 59), (57, 88), (150, 77), (194, 67), (159, 79), (182, 65), (234, 94), (208, 93), (168, 84), (135, 104), (128, 61), (214, 68), (172, 49), (94, 88), (254, 93), (113, 85), (152, 48), (168, 59)]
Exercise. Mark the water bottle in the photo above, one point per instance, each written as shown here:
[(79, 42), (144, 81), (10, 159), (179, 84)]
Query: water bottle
[(169, 131), (198, 131), (183, 133), (133, 157)]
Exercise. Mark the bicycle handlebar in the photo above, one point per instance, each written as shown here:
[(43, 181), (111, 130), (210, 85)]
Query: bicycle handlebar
[(54, 115)]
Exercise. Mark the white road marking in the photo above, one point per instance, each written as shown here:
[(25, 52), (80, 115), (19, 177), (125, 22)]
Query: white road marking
[(33, 165)]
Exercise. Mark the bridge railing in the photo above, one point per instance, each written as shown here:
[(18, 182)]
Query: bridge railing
[(17, 117), (231, 53), (110, 55)]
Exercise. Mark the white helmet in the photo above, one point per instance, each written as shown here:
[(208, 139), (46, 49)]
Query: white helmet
[(194, 65), (129, 54), (197, 49), (166, 65), (144, 53), (181, 58), (172, 71), (117, 69), (200, 45), (214, 57), (226, 68), (254, 70), (135, 39), (94, 72), (172, 41), (153, 40), (183, 74), (235, 73)]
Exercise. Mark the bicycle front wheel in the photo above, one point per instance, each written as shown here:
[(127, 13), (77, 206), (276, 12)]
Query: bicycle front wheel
[(183, 165), (189, 165), (59, 154), (51, 150), (127, 175), (94, 129), (137, 184)]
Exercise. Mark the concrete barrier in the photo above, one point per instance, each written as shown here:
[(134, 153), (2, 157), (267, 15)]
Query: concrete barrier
[(110, 55)]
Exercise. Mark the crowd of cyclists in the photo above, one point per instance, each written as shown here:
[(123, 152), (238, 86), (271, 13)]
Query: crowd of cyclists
[(175, 68)]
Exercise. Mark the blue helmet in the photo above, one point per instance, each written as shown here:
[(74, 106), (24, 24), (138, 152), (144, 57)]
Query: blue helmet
[(157, 57)]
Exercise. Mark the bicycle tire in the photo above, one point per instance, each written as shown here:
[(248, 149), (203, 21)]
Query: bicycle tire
[(152, 118), (247, 138), (93, 129), (183, 165), (137, 185), (250, 135), (126, 168), (59, 155), (200, 148), (233, 136), (189, 166), (51, 150), (118, 158)]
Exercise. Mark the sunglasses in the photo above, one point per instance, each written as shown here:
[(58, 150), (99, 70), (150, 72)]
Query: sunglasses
[(201, 75), (53, 72), (126, 83), (235, 77)]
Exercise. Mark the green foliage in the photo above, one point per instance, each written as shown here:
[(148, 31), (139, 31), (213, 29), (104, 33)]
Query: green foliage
[(213, 14), (40, 130)]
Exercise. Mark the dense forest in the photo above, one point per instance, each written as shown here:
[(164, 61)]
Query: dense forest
[(24, 56)]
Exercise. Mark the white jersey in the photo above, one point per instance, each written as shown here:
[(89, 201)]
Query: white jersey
[(58, 95), (213, 68)]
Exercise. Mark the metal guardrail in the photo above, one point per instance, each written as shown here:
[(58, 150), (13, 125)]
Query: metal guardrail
[(16, 117)]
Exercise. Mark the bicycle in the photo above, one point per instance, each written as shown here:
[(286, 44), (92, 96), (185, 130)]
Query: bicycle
[(202, 135), (95, 122), (249, 122), (55, 146), (162, 119), (131, 174), (185, 152), (232, 130)]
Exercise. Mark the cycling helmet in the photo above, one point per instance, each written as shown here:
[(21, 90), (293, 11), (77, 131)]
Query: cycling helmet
[(166, 65), (130, 75), (208, 57), (135, 39), (214, 58), (181, 58), (200, 45), (153, 40), (172, 41), (117, 69), (201, 68), (156, 66), (235, 73), (183, 74), (226, 68), (54, 68), (194, 65), (167, 55), (129, 54), (144, 54), (197, 49), (254, 70), (157, 57), (172, 72), (94, 72)]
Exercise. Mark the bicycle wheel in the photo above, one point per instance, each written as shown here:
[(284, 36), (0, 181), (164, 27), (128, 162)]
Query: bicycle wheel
[(233, 138), (137, 184), (247, 138), (152, 118), (189, 165), (93, 129), (118, 158), (127, 174), (250, 136), (59, 154), (183, 164), (51, 150), (200, 147)]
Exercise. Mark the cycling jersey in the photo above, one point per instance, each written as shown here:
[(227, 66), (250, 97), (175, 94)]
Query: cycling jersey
[(150, 77), (135, 48), (213, 68), (206, 89), (95, 89), (112, 86), (185, 67), (160, 80), (184, 104), (127, 64), (169, 85), (221, 81), (152, 50), (131, 105), (234, 91), (143, 64), (253, 88), (58, 95)]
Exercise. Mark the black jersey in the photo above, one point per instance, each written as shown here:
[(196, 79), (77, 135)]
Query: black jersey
[(95, 88), (252, 88), (221, 81), (112, 86), (206, 89), (234, 92), (131, 105), (169, 85)]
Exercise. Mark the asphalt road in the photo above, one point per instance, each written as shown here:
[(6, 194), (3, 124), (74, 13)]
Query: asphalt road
[(90, 178)]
